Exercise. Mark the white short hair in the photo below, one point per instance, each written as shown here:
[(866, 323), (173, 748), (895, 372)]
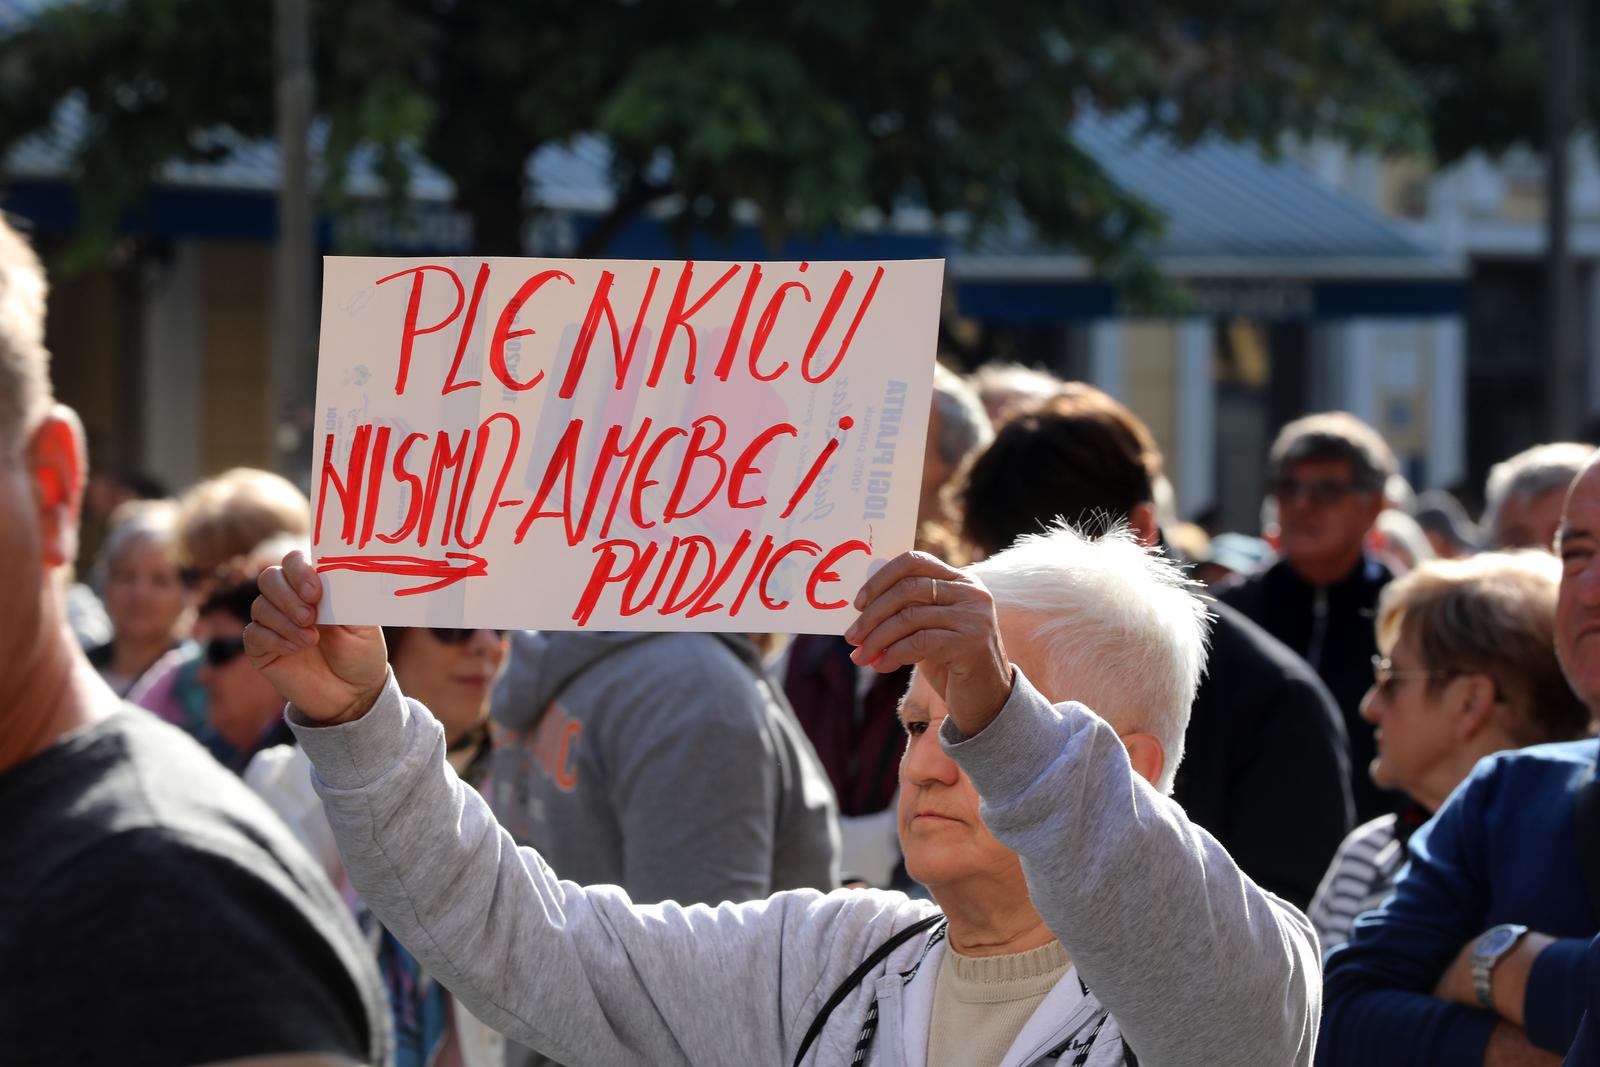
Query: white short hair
[(1531, 473), (136, 522), (1109, 624)]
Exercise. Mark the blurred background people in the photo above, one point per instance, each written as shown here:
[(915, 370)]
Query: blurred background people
[(1265, 765), (108, 490), (143, 591), (1446, 525), (1467, 667), (1230, 555), (1005, 388), (1523, 495), (1328, 473), (1400, 541), (222, 519), (225, 517), (958, 426)]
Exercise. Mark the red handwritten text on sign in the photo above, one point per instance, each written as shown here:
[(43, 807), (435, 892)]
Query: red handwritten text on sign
[(670, 428)]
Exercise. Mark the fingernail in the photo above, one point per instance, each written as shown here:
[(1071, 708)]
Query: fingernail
[(855, 656), (309, 591), (876, 660), (308, 636), (304, 616)]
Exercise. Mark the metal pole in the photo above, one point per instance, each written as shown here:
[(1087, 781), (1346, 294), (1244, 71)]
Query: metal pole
[(293, 382), (1564, 384)]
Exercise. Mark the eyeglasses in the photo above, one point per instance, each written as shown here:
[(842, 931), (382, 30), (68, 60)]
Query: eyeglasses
[(1385, 676), (221, 651), (1319, 493), (449, 635)]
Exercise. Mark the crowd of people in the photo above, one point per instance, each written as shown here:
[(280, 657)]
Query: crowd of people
[(1083, 784)]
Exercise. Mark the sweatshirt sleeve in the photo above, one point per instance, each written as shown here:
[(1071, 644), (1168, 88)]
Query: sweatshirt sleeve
[(1553, 1006), (1196, 962), (578, 973)]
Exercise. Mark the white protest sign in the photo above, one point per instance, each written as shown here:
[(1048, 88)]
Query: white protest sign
[(559, 444)]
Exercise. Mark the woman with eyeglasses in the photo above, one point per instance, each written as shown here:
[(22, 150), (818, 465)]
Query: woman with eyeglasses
[(457, 669), (1466, 667)]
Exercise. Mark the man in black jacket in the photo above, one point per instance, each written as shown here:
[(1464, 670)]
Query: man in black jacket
[(1265, 765), (1328, 473)]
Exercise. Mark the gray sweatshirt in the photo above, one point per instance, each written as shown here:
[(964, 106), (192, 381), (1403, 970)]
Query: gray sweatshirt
[(665, 763), (1195, 962)]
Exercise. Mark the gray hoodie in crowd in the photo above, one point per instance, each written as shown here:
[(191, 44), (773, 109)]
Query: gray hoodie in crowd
[(1196, 964), (665, 763)]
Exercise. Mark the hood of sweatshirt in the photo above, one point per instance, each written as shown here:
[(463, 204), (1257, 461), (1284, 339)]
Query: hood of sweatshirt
[(542, 663)]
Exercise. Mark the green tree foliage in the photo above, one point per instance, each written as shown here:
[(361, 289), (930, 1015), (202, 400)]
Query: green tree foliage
[(808, 114)]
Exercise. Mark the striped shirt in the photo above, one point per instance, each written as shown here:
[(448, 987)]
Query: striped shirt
[(1360, 878)]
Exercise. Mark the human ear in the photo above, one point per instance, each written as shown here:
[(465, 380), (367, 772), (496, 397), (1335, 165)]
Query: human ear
[(1473, 697), (1142, 520), (1146, 754), (55, 459)]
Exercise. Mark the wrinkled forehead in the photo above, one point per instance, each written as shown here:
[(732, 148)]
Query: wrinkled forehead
[(920, 698)]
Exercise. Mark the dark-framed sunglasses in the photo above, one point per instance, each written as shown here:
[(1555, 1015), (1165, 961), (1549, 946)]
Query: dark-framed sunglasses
[(1320, 492), (221, 651), (450, 635)]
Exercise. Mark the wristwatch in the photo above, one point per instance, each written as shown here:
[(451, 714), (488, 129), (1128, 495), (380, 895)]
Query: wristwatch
[(1495, 943)]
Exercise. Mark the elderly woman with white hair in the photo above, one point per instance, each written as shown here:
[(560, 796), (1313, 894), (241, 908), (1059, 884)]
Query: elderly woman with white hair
[(1078, 917), (140, 580)]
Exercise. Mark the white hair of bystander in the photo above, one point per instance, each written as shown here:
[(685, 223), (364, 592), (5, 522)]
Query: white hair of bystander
[(1107, 623)]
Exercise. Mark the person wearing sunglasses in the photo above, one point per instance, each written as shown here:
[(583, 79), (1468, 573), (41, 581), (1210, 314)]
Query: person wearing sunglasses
[(1466, 667), (245, 715), (1327, 473)]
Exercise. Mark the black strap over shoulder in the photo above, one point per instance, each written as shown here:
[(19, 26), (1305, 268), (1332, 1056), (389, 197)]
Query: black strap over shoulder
[(879, 954), (1586, 828)]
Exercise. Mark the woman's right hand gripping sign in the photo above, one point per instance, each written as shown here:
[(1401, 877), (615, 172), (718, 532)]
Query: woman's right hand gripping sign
[(919, 610), (914, 610), (331, 674)]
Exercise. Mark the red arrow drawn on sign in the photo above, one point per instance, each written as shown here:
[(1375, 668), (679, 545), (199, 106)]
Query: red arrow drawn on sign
[(446, 572)]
